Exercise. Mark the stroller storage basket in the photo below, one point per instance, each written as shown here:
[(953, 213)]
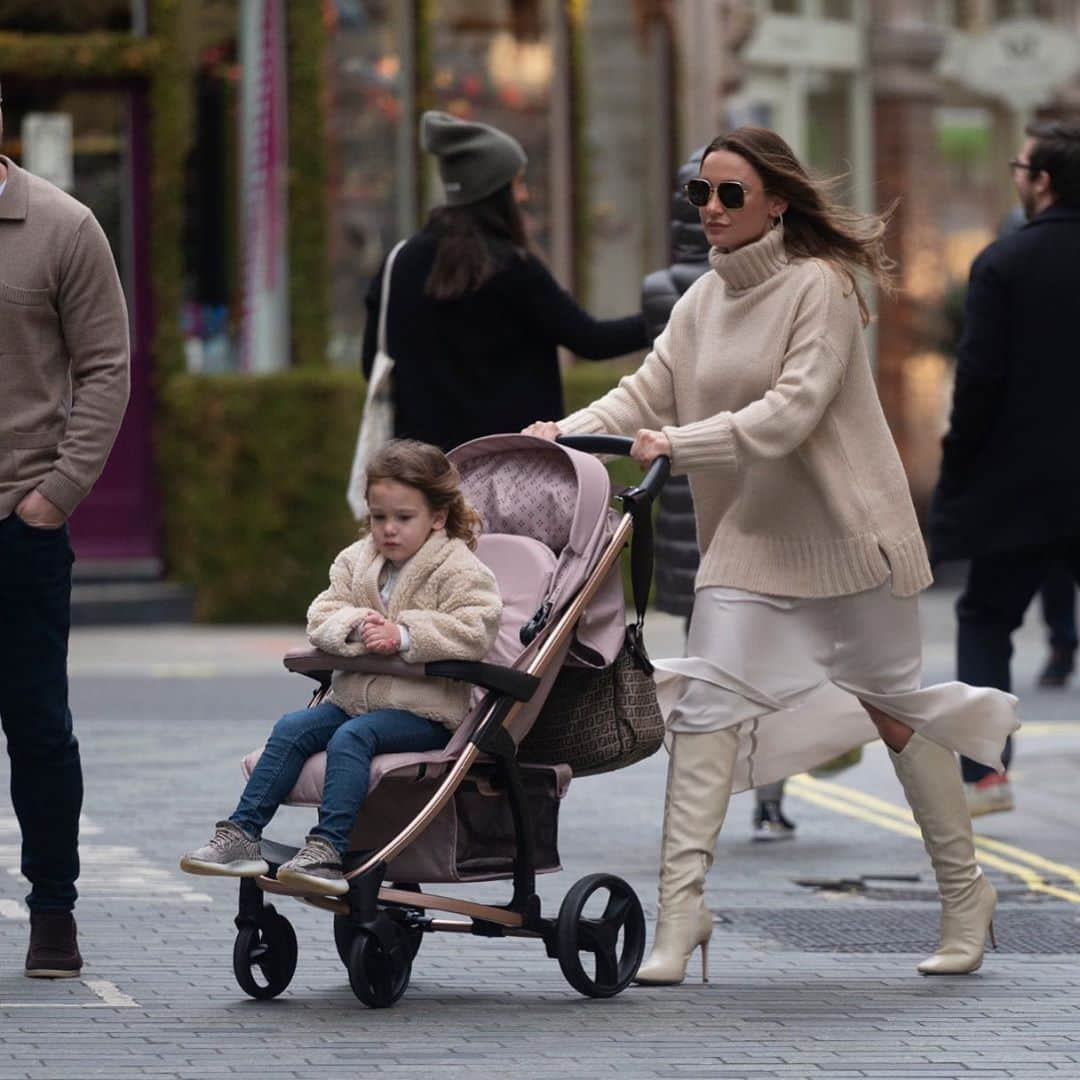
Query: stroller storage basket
[(472, 837)]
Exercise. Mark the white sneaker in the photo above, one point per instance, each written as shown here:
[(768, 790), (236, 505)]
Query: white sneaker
[(992, 794)]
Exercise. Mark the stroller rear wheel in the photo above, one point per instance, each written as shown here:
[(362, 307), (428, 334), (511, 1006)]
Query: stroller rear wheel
[(614, 934), (380, 968), (264, 955)]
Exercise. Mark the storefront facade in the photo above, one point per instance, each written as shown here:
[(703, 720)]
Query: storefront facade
[(916, 105)]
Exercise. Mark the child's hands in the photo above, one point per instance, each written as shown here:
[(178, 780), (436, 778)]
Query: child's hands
[(379, 635)]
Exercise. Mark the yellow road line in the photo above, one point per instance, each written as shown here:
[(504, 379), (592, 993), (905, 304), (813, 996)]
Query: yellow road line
[(841, 791), (886, 815), (1065, 727)]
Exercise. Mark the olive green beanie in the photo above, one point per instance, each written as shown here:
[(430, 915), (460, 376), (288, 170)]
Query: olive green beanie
[(474, 159)]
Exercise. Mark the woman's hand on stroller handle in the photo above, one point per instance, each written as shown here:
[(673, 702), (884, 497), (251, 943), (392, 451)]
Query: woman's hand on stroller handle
[(543, 429), (648, 446)]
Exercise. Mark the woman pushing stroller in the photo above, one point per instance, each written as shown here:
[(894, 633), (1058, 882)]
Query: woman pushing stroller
[(412, 588), (760, 389)]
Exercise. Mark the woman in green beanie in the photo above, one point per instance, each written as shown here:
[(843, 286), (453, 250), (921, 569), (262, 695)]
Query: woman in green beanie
[(474, 318)]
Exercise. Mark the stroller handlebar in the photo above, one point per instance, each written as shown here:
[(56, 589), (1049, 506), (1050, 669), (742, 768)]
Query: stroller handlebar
[(620, 445)]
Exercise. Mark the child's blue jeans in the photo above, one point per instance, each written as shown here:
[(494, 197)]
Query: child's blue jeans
[(350, 743)]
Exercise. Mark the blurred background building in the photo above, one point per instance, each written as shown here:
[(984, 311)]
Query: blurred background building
[(253, 160)]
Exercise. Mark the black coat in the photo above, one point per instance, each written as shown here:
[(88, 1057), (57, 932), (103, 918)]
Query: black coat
[(1010, 474), (485, 363), (677, 554)]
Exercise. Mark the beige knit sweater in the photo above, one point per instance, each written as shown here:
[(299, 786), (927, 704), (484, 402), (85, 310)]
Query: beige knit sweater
[(444, 596), (761, 382)]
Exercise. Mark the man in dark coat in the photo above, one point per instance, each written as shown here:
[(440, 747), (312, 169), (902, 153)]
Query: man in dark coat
[(1009, 494)]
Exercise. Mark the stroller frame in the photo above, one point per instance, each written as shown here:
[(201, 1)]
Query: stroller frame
[(378, 928)]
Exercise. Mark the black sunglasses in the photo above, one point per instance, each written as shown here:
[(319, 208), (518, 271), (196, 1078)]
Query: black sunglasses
[(731, 193)]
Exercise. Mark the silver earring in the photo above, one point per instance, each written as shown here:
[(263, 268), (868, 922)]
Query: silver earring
[(778, 221)]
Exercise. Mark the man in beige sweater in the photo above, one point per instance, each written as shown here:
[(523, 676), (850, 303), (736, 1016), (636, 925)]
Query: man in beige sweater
[(64, 362)]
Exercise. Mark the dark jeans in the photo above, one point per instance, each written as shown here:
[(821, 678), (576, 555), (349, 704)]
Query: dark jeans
[(1058, 597), (46, 773), (999, 589), (350, 744)]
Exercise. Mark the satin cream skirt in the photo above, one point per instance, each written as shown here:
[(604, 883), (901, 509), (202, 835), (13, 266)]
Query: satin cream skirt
[(789, 674)]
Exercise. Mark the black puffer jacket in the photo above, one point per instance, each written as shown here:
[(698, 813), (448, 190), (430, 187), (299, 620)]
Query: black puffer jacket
[(676, 537)]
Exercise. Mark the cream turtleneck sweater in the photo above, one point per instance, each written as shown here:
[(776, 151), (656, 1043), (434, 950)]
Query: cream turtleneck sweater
[(761, 382)]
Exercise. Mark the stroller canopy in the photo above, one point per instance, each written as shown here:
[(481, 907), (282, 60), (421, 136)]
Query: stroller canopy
[(525, 486)]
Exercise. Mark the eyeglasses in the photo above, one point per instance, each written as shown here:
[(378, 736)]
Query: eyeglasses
[(1016, 163), (731, 193)]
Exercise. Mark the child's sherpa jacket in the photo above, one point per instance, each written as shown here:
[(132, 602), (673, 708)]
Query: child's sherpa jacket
[(445, 597)]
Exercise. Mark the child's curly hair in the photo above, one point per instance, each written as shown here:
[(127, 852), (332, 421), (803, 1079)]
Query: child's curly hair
[(426, 468)]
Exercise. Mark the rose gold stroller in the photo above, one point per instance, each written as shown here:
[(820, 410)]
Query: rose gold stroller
[(473, 812)]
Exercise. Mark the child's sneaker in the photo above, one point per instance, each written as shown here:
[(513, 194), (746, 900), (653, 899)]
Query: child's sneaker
[(315, 867), (230, 853)]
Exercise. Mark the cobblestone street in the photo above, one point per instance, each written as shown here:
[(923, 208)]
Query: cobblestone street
[(812, 962)]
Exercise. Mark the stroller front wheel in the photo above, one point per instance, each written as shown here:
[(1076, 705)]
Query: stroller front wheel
[(264, 956), (379, 971), (612, 930)]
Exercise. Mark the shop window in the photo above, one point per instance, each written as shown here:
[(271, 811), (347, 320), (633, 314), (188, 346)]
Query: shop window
[(212, 298), (372, 157), (211, 255), (76, 138), (494, 62), (838, 9), (65, 17)]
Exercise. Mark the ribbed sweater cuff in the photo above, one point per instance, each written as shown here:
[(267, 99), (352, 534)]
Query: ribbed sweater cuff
[(61, 492), (583, 422), (707, 444)]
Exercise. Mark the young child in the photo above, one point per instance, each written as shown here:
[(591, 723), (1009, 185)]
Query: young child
[(412, 587)]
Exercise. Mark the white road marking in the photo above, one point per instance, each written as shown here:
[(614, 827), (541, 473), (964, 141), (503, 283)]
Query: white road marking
[(113, 872), (9, 826), (111, 994), (12, 909)]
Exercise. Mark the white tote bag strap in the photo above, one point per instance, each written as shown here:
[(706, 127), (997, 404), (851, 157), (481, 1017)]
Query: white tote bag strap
[(384, 300)]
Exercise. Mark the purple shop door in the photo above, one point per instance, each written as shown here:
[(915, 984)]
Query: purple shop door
[(118, 520)]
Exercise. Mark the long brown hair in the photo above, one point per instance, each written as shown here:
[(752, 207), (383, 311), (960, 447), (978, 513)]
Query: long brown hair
[(814, 225), (426, 468), (472, 242)]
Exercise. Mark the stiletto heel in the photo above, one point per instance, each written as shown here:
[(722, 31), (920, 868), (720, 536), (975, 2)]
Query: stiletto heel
[(936, 795), (700, 774), (993, 936)]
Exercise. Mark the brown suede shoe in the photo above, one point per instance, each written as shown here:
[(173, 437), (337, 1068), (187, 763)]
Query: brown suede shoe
[(54, 948)]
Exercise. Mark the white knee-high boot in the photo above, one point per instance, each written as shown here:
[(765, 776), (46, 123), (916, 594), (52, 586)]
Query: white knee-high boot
[(698, 789), (931, 779)]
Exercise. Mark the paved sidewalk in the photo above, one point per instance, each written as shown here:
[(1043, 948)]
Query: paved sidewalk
[(812, 959)]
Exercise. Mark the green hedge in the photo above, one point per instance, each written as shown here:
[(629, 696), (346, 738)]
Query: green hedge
[(255, 470)]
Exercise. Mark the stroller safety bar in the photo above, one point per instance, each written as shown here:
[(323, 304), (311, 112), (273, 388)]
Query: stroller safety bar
[(319, 665)]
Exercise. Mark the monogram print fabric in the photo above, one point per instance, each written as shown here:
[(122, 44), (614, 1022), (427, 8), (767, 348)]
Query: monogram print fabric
[(526, 494), (597, 721)]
